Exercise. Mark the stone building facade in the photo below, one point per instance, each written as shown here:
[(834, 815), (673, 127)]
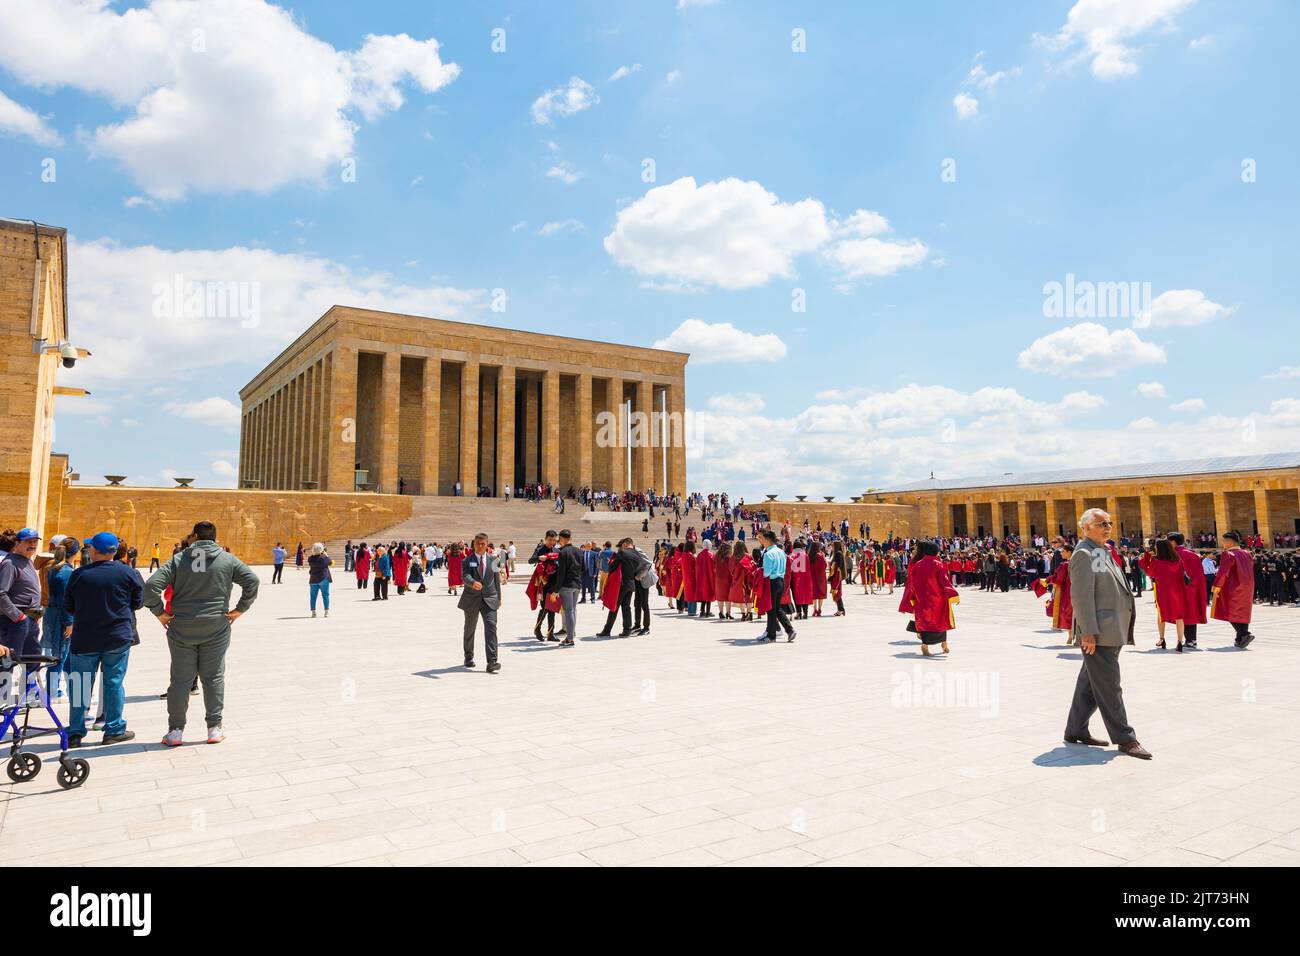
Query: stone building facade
[(378, 400)]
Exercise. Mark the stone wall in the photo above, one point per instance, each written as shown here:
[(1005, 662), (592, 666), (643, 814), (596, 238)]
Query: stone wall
[(903, 520), (248, 522)]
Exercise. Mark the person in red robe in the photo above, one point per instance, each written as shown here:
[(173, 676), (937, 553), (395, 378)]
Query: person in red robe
[(740, 594), (865, 560), (668, 576), (1165, 569), (757, 586), (838, 571), (704, 568), (722, 564), (817, 575), (361, 564), (799, 570), (929, 597), (1060, 608), (1234, 588), (686, 597), (455, 558), (1195, 601), (401, 567), (891, 573)]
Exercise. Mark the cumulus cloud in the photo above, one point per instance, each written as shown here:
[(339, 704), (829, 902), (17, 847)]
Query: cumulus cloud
[(1103, 32), (1089, 349), (735, 234), (215, 412), (1151, 390), (737, 403), (966, 105), (18, 120), (218, 97), (624, 71), (1181, 307), (560, 227), (576, 96), (252, 303), (1188, 405), (722, 342)]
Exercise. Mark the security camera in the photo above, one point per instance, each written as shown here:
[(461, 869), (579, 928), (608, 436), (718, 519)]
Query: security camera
[(68, 352)]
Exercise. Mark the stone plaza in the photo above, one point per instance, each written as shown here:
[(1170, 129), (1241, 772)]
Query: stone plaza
[(360, 739)]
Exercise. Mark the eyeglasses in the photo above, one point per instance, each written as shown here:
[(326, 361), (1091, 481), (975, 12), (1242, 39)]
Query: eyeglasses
[(1104, 524)]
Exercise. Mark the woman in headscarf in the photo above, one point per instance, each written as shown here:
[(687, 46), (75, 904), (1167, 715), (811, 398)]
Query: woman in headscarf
[(929, 597)]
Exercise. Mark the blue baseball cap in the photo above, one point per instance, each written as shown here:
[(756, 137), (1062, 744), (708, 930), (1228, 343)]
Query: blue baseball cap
[(105, 542), (26, 534)]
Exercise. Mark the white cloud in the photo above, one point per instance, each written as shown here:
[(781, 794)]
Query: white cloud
[(561, 226), (224, 469), (1201, 43), (683, 4), (1286, 371), (215, 412), (734, 234), (722, 342), (1181, 307), (120, 296), (564, 101), (18, 120), (737, 403), (218, 97), (1103, 31), (1144, 424), (1188, 405), (623, 71), (1151, 390), (967, 106), (673, 76), (1089, 350), (564, 172)]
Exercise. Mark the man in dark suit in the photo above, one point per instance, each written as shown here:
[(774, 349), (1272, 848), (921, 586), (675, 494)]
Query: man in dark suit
[(568, 581), (1102, 625), (480, 598)]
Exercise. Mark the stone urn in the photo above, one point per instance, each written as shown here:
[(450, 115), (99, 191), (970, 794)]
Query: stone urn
[(771, 497), (801, 498), (115, 479), (829, 497), (856, 498), (183, 482)]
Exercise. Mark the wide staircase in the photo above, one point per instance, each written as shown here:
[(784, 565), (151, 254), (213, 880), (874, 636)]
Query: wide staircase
[(444, 520)]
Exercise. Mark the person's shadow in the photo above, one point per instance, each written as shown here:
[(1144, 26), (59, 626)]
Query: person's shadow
[(1075, 755), (435, 673)]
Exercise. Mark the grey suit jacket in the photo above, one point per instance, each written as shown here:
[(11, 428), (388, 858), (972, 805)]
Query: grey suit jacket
[(484, 570), (1103, 603)]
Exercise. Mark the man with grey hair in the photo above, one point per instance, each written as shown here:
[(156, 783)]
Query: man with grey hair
[(481, 598), (1102, 625)]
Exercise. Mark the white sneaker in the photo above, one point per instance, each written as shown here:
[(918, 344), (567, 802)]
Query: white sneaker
[(215, 736), (174, 738), (313, 613)]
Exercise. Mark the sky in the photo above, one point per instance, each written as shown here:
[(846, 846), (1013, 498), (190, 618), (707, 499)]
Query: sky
[(897, 239)]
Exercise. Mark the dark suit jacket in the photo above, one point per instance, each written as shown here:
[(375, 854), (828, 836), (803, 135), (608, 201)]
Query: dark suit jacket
[(568, 573), (483, 569)]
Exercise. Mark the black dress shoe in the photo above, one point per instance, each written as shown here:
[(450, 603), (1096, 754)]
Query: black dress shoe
[(568, 642), (1089, 740), (1246, 639), (469, 663), (789, 638), (624, 633), (121, 738), (73, 741), (493, 667), (603, 634)]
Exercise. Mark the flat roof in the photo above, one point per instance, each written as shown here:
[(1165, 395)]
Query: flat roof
[(1155, 469)]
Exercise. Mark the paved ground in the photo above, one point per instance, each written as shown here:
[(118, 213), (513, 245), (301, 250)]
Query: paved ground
[(359, 740)]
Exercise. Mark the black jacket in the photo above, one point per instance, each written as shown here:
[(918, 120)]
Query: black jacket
[(568, 572)]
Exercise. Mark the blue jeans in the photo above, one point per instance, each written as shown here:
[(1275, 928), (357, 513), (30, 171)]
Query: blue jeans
[(81, 684), (55, 644), (323, 589)]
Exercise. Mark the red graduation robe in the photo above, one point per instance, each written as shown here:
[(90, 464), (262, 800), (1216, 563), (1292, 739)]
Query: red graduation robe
[(1167, 579), (1234, 587), (818, 576), (704, 575), (1195, 599), (930, 596), (800, 569)]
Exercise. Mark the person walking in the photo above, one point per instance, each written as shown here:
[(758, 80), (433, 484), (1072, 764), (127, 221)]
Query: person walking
[(1104, 612), (102, 598), (774, 562), (201, 577), (480, 599), (568, 574), (319, 577), (278, 555)]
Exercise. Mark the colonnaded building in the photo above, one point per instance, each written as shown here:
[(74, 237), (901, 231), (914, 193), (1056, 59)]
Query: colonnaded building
[(377, 401)]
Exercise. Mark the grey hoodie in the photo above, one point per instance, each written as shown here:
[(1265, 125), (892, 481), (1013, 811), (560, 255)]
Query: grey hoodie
[(201, 578)]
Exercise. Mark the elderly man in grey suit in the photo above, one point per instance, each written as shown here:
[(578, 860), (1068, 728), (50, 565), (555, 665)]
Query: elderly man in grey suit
[(1103, 624), (481, 598)]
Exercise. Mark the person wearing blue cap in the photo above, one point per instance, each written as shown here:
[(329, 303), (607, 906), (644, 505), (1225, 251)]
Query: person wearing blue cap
[(102, 598)]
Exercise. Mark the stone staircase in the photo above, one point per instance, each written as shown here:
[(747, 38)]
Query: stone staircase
[(446, 519)]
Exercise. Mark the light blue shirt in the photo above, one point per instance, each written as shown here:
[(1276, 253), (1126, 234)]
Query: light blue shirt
[(277, 555), (773, 562)]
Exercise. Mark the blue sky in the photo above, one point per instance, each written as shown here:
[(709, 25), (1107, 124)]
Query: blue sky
[(1096, 139)]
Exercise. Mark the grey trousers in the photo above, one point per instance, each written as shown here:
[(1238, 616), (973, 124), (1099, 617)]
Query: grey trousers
[(489, 616), (569, 605), (198, 647), (1098, 689)]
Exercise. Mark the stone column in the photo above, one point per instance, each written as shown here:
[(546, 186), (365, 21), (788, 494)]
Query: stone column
[(551, 427), (390, 407), (618, 476), (343, 419), (657, 437), (506, 430), (1053, 521), (1221, 513), (1022, 519), (431, 462), (642, 456), (1262, 516), (677, 438), (1183, 508), (585, 421), (469, 431), (532, 411)]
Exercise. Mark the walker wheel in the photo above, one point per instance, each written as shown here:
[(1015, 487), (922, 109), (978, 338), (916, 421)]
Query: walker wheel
[(73, 773), (23, 766)]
